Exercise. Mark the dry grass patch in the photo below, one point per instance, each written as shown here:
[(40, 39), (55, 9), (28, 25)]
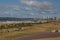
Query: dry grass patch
[(36, 28)]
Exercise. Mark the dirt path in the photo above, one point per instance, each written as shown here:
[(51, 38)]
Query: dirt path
[(38, 36)]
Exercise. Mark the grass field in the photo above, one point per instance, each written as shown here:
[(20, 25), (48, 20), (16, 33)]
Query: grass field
[(36, 28)]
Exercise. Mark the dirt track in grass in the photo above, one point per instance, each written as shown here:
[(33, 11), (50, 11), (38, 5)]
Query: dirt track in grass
[(40, 36)]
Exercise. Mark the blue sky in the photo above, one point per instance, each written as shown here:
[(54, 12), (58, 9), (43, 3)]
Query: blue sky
[(30, 8)]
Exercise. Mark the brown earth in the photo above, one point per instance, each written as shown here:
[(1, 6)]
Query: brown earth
[(38, 36)]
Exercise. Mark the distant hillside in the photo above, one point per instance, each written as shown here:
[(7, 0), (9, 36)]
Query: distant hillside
[(15, 19)]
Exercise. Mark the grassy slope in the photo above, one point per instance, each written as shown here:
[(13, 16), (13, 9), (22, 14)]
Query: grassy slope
[(36, 28)]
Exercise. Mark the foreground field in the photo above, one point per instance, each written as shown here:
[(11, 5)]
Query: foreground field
[(40, 36), (28, 30), (56, 38)]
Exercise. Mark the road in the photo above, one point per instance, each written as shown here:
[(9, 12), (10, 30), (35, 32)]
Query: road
[(38, 36)]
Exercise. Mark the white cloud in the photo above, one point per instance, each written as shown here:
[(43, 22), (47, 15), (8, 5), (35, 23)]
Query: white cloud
[(43, 12), (32, 14), (27, 8), (10, 10), (15, 8), (10, 7), (35, 3), (30, 2), (39, 6)]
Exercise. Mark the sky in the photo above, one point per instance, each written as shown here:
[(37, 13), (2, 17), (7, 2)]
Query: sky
[(30, 8)]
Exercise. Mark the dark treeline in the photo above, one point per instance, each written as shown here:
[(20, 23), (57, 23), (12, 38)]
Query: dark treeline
[(4, 26), (15, 19)]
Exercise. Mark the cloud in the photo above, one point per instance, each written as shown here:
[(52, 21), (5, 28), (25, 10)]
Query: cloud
[(32, 14), (17, 8), (45, 6), (5, 12), (9, 10), (27, 9), (30, 2), (35, 3)]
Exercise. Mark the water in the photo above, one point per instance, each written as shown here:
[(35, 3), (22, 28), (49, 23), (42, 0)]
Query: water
[(23, 21)]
